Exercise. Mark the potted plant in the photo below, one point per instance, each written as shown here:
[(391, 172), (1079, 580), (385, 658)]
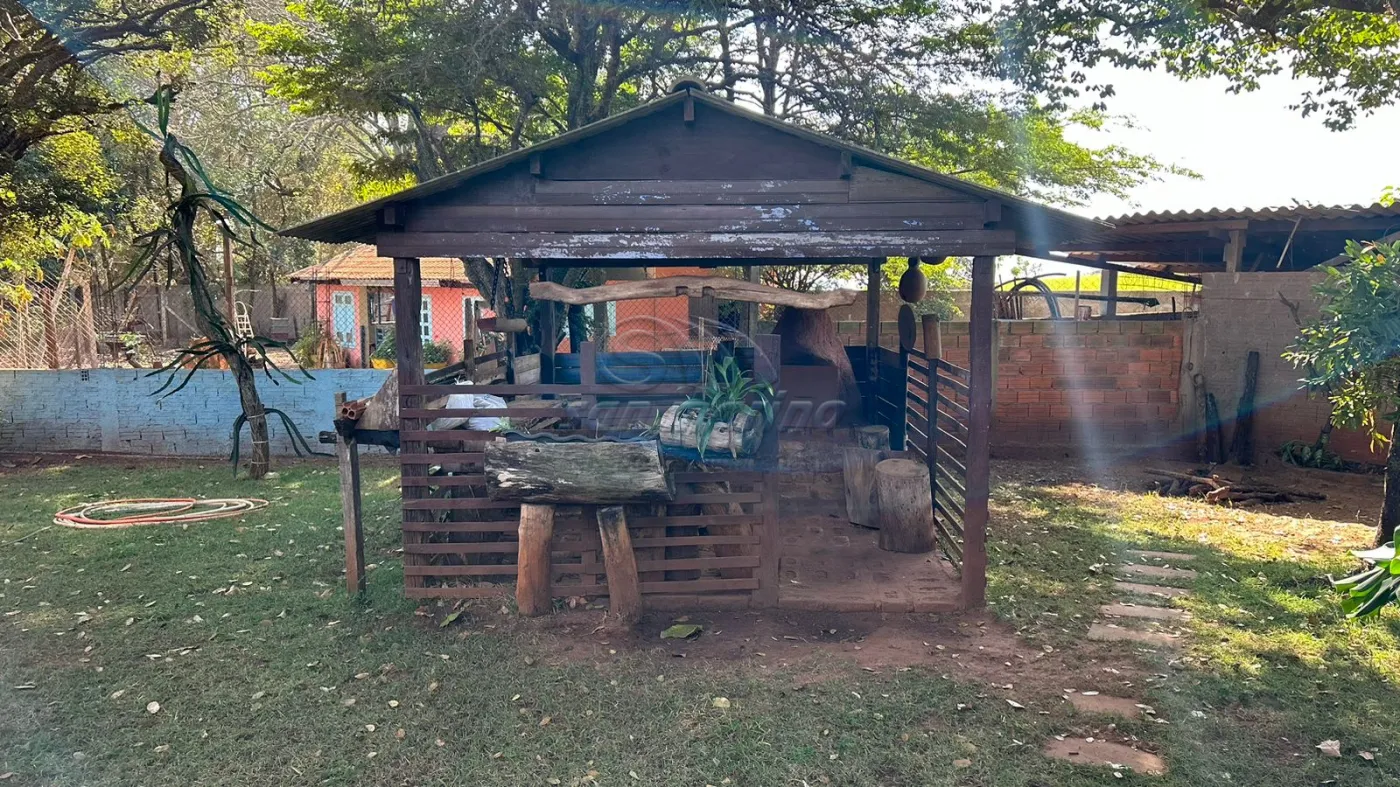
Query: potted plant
[(721, 416), (385, 353), (436, 355)]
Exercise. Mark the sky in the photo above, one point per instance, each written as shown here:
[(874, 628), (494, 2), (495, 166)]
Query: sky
[(1251, 150)]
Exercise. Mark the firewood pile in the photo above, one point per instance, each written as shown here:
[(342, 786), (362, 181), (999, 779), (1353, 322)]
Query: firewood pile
[(1217, 489)]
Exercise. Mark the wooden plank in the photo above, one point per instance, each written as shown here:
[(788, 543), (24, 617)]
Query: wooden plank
[(419, 591), (876, 185), (470, 458), (456, 504), (874, 276), (691, 286), (702, 563), (532, 585), (683, 498), (730, 476), (770, 549), (447, 435), (694, 541), (489, 548), (699, 585), (956, 386), (492, 526), (539, 390), (502, 570), (680, 218), (699, 520), (484, 412), (954, 370), (977, 473), (689, 192), (686, 245), (472, 479), (620, 561)]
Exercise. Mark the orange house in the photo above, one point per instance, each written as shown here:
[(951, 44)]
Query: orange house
[(354, 295)]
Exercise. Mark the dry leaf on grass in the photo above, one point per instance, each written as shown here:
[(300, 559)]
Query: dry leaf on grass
[(1330, 748), (153, 707)]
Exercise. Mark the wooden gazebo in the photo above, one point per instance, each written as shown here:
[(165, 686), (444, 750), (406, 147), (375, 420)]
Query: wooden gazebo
[(692, 180)]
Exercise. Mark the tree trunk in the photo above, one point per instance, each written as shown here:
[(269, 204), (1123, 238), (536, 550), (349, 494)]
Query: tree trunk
[(1390, 509), (261, 458), (906, 506)]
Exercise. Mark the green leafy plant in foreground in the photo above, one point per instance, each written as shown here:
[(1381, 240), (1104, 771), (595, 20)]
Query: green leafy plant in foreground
[(1371, 590), (724, 398)]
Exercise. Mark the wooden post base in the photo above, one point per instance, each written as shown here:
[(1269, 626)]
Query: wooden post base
[(858, 474), (624, 590), (533, 589)]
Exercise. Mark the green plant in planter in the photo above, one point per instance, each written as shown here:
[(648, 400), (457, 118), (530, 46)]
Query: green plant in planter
[(1371, 590), (385, 350), (436, 352), (726, 395)]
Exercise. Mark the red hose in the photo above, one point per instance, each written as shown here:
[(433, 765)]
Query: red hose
[(155, 511)]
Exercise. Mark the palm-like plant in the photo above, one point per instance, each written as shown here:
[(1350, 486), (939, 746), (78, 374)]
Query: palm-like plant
[(726, 395), (174, 244), (1371, 590)]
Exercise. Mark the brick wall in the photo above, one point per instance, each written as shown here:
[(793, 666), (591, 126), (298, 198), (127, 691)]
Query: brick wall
[(1071, 388), (1242, 312), (112, 410)]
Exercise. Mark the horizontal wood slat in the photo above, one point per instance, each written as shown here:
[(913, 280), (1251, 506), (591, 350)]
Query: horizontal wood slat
[(702, 563), (456, 504), (541, 390), (471, 479), (472, 458), (944, 381), (447, 436), (702, 520), (717, 497), (695, 541), (484, 412), (730, 476), (503, 570), (954, 370), (690, 245), (462, 548)]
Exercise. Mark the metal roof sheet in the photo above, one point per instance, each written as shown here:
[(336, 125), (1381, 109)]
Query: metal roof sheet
[(1278, 213)]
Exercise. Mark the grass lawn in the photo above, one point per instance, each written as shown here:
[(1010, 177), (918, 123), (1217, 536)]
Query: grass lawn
[(266, 673)]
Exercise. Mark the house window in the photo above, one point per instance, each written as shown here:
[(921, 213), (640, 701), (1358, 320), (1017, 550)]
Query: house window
[(381, 306), (612, 318), (343, 318), (425, 320)]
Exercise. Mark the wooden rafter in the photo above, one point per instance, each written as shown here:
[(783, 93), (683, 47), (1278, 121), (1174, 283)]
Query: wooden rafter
[(694, 287)]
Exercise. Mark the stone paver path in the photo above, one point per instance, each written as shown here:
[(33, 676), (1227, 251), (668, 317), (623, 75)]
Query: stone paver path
[(1102, 753)]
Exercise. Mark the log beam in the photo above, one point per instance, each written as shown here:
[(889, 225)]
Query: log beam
[(577, 473), (694, 287)]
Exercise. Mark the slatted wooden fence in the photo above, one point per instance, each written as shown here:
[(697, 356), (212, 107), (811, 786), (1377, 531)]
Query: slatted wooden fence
[(717, 541)]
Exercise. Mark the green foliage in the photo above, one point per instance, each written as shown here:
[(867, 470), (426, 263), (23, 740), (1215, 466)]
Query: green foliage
[(1348, 50), (436, 352), (726, 395), (386, 349), (1353, 348), (1368, 592), (1315, 455)]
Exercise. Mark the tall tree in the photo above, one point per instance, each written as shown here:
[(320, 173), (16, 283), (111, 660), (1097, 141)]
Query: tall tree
[(1345, 52), (49, 50)]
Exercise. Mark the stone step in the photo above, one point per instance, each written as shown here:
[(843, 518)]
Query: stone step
[(1103, 632), (1105, 754), (1159, 591), (1170, 557), (1144, 613), (1105, 705), (1158, 572)]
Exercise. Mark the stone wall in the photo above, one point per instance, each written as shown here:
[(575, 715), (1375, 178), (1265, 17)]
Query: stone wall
[(112, 410)]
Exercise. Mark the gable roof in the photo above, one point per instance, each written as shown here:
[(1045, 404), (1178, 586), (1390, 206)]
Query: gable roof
[(360, 222), (362, 263)]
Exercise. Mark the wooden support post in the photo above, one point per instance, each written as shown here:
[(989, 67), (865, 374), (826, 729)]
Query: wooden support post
[(906, 506), (858, 473), (873, 276), (347, 452), (624, 590), (980, 397), (533, 583), (469, 358), (767, 352), (1108, 287), (933, 351), (753, 274), (588, 375), (548, 339), (408, 346), (1234, 251)]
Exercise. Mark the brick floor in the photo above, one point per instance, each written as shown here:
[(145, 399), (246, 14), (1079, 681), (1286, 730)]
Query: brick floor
[(828, 563)]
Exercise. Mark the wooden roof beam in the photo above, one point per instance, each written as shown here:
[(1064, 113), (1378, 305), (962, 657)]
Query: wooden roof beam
[(694, 287), (1104, 265)]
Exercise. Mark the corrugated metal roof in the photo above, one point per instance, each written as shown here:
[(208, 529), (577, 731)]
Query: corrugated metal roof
[(362, 264), (1280, 213)]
